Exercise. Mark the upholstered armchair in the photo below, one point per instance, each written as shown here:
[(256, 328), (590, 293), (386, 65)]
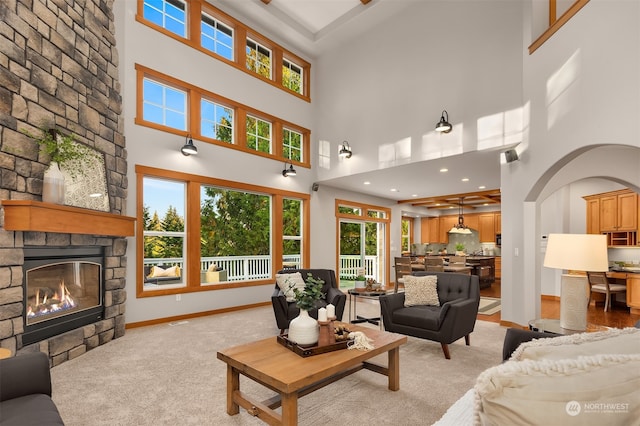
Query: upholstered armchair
[(286, 311), (459, 297)]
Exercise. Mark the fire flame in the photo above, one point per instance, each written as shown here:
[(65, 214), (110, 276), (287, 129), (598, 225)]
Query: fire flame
[(60, 300)]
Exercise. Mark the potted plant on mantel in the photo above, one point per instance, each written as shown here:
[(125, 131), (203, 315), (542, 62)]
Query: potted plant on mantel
[(303, 329), (63, 151)]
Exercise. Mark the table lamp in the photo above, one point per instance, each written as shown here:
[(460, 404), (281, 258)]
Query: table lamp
[(576, 252)]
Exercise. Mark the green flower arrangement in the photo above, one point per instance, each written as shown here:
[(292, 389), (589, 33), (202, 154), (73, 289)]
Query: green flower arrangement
[(62, 149), (306, 298), (360, 278)]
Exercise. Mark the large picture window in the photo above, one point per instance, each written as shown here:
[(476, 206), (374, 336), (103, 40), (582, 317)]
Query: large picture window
[(197, 233)]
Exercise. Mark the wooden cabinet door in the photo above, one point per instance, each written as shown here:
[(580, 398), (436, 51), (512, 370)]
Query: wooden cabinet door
[(633, 293), (487, 229), (627, 212), (593, 216), (498, 224), (434, 229), (608, 213), (446, 223), (472, 221), (498, 267), (425, 236)]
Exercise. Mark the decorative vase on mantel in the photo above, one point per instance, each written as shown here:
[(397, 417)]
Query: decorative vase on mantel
[(304, 330), (53, 184)]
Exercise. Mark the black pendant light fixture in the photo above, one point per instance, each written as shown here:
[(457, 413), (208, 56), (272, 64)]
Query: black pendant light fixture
[(189, 148), (288, 172), (460, 227), (443, 125), (345, 151)]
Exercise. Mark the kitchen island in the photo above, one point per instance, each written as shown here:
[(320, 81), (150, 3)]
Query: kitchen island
[(482, 266)]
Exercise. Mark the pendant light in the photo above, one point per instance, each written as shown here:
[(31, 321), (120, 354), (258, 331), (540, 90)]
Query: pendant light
[(460, 227)]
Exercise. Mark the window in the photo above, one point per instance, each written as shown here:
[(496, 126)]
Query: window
[(216, 121), (235, 233), (291, 144), (258, 58), (164, 105), (164, 233), (292, 214), (291, 76), (216, 37), (258, 134), (168, 14), (406, 232), (208, 234)]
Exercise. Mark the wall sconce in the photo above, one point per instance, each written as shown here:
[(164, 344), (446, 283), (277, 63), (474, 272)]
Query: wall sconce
[(443, 125), (189, 148), (288, 172), (511, 155), (345, 151)]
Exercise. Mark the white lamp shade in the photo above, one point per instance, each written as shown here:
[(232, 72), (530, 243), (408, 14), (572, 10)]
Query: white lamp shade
[(581, 252)]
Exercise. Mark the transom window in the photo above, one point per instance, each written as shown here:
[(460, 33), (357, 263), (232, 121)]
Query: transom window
[(258, 58), (258, 134), (168, 14), (216, 37), (291, 76), (163, 104), (291, 144), (216, 121)]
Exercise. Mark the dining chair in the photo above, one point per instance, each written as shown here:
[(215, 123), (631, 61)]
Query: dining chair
[(599, 283), (403, 267), (434, 264)]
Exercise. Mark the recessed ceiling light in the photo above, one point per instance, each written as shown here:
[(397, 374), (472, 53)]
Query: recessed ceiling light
[(437, 204), (481, 187), (394, 190), (444, 169), (367, 182), (485, 204), (414, 195), (465, 179)]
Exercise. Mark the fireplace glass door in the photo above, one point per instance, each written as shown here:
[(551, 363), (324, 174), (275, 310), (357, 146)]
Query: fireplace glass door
[(62, 288)]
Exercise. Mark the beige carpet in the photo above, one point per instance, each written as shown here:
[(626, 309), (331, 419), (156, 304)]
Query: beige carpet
[(169, 375)]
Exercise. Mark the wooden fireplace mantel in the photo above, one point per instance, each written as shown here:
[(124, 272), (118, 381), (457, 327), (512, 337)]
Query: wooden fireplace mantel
[(30, 215)]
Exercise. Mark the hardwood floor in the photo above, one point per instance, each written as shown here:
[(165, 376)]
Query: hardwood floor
[(618, 317)]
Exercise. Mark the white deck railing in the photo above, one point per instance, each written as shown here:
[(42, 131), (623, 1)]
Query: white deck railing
[(246, 268)]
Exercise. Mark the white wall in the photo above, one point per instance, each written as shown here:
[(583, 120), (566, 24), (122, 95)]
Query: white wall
[(585, 75), (140, 44)]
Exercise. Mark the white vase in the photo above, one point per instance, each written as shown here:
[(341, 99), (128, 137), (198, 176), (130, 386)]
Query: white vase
[(304, 330), (361, 284), (53, 185)]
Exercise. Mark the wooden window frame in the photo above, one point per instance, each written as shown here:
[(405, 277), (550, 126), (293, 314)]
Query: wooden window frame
[(195, 8), (195, 94), (364, 217), (555, 23), (192, 225), (411, 221)]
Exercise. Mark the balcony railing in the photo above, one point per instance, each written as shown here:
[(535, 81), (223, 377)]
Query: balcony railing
[(248, 268)]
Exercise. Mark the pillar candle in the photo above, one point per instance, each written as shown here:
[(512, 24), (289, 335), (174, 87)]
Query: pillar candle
[(331, 311), (322, 314)]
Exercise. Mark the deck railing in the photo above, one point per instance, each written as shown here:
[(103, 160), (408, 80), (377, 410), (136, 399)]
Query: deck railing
[(245, 268)]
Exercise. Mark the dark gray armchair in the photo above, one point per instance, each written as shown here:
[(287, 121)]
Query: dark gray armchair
[(286, 311), (455, 317)]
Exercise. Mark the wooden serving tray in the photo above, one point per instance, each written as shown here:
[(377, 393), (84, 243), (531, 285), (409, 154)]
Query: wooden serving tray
[(311, 350)]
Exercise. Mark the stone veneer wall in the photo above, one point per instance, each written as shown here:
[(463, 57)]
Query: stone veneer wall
[(59, 64)]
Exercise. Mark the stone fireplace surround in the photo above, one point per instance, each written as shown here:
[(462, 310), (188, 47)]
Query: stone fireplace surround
[(60, 66)]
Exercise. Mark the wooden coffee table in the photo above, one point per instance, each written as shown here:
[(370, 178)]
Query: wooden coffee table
[(292, 376)]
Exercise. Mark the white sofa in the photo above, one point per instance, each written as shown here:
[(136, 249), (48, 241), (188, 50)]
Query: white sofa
[(579, 379)]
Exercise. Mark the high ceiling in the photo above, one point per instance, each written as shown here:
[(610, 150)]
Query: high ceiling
[(316, 25)]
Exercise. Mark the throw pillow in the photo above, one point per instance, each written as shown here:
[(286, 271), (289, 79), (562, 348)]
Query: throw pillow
[(287, 282), (158, 272), (421, 290)]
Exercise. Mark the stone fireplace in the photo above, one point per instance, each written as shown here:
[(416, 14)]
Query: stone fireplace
[(60, 69)]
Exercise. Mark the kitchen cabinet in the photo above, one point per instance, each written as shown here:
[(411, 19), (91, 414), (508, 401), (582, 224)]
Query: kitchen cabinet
[(487, 228), (619, 212), (471, 221), (498, 263), (446, 223), (593, 215), (633, 293), (429, 230), (498, 218), (614, 214)]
